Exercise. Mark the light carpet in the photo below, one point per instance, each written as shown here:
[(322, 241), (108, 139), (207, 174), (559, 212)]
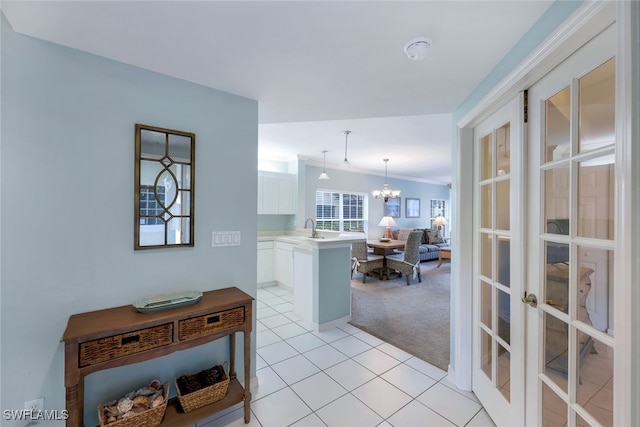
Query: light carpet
[(414, 318)]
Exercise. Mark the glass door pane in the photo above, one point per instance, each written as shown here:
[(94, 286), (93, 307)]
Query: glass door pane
[(577, 239), (494, 281)]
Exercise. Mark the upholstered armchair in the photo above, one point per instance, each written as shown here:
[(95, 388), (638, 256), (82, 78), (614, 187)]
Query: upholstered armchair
[(363, 261), (409, 263)]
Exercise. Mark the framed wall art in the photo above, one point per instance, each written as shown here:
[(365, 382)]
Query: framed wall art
[(392, 208), (412, 208)]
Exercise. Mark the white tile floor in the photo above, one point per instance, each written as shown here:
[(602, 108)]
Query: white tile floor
[(342, 377)]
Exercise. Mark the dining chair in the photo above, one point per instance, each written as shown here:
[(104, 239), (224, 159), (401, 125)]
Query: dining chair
[(408, 263), (363, 261)]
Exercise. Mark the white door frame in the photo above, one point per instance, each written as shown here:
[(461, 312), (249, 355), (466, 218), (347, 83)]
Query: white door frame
[(587, 21)]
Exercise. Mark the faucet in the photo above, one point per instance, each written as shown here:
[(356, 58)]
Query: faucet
[(314, 233)]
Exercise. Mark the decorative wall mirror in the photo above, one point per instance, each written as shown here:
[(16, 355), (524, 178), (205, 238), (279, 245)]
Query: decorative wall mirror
[(164, 181)]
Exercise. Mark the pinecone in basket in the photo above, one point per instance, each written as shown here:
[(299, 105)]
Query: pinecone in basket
[(188, 384), (211, 376)]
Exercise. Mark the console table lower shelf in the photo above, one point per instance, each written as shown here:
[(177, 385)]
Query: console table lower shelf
[(174, 417)]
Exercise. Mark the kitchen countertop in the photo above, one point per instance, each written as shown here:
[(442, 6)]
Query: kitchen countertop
[(329, 239)]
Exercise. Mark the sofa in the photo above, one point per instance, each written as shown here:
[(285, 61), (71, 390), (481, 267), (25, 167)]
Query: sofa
[(432, 241)]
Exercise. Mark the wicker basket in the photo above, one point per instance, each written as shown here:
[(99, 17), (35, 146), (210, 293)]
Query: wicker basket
[(103, 349), (204, 396), (150, 418)]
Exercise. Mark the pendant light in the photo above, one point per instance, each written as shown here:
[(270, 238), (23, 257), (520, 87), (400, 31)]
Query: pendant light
[(386, 193), (345, 162), (324, 175)]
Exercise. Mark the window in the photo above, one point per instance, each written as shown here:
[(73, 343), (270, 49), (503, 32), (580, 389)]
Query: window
[(340, 211)]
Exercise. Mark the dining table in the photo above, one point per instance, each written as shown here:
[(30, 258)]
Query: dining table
[(385, 248)]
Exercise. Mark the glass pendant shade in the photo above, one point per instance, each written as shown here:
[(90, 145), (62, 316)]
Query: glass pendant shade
[(324, 175)]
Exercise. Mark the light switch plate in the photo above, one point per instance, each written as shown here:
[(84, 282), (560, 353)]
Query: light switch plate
[(225, 238)]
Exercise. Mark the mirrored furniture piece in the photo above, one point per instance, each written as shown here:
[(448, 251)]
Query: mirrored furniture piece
[(164, 187)]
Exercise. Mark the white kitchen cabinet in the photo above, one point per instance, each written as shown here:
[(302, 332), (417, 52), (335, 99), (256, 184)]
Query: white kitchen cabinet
[(303, 285), (283, 266), (260, 194), (276, 193), (270, 198), (265, 262)]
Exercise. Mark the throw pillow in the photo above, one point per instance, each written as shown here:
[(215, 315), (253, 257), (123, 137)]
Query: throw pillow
[(403, 234), (424, 240), (435, 237)]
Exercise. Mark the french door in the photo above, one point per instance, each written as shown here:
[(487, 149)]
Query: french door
[(571, 242), (498, 338), (544, 299)]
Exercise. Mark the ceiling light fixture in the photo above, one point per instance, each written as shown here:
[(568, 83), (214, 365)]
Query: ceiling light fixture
[(386, 193), (345, 162), (417, 48), (324, 175)]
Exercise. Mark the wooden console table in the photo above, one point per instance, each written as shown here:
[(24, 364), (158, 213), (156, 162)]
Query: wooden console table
[(119, 336)]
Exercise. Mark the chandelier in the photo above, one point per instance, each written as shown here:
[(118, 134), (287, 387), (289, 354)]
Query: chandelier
[(386, 193)]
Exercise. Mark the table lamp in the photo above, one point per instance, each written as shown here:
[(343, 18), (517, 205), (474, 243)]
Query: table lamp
[(440, 221), (387, 222)]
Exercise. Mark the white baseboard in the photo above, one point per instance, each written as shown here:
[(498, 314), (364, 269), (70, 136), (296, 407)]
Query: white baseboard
[(267, 284), (328, 325), (325, 326), (452, 376)]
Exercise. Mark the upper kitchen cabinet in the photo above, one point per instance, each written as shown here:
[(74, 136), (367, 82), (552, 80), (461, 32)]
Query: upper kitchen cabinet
[(276, 193)]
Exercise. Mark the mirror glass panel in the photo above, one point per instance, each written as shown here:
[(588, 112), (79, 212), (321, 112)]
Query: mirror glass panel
[(164, 181)]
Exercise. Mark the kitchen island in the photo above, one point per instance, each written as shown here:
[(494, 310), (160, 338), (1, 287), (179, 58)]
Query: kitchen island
[(317, 270), (322, 280)]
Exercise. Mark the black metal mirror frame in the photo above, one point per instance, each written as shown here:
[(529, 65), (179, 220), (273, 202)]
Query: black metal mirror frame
[(164, 202)]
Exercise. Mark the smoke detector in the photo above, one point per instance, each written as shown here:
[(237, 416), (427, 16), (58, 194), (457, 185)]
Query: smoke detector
[(417, 48)]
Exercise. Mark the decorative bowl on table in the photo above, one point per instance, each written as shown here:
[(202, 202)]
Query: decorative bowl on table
[(165, 302), (385, 239)]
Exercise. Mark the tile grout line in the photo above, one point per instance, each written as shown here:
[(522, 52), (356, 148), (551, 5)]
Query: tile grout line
[(350, 332)]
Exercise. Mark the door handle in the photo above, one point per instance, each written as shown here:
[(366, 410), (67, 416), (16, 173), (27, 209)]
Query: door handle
[(530, 299)]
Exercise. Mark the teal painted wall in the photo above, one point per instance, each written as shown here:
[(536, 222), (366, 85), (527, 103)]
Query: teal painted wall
[(334, 285), (67, 190)]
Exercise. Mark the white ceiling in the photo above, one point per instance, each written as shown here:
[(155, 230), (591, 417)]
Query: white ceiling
[(317, 68)]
